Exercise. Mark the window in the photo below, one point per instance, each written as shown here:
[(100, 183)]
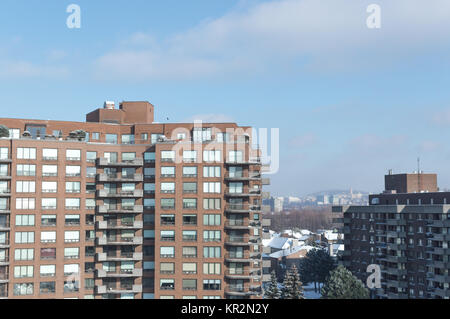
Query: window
[(26, 153), (189, 284), (4, 187), (128, 157), (26, 170), (144, 136), (167, 203), (167, 156), (189, 219), (167, 219), (211, 284), (149, 234), (190, 171), (4, 153), (211, 220), (149, 203), (25, 187), (167, 284), (90, 203), (23, 289), (223, 137), (49, 154), (212, 252), (91, 172), (71, 236), (14, 133), (49, 170), (111, 157), (211, 235), (36, 131), (111, 138), (25, 203), (73, 187), (212, 269), (48, 220), (48, 270), (25, 220), (73, 171), (91, 156), (212, 203), (167, 268), (73, 155), (190, 188), (211, 171), (24, 254), (149, 172), (4, 170), (49, 187), (189, 203), (155, 137), (189, 235), (24, 237), (47, 287), (235, 171), (71, 253), (168, 188), (72, 203), (95, 136), (48, 253), (48, 203), (235, 156), (72, 220), (71, 269), (235, 188), (127, 139), (212, 187), (4, 204), (167, 252), (189, 156), (48, 237), (149, 188), (167, 171), (167, 235), (212, 156), (89, 284), (202, 134), (149, 157)]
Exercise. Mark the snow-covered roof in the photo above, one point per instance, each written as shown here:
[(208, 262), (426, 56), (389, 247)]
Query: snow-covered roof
[(331, 236), (279, 242), (290, 251)]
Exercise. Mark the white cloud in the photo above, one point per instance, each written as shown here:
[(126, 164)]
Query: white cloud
[(328, 34), (25, 69)]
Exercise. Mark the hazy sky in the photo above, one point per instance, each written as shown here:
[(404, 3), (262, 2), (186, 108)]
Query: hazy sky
[(351, 102)]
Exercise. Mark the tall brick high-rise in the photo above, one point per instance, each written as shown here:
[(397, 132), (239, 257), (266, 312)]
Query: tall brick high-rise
[(122, 207)]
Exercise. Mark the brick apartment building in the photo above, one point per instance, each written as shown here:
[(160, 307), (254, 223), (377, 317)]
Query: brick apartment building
[(129, 208), (405, 230)]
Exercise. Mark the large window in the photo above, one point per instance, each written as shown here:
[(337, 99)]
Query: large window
[(24, 237), (23, 271), (48, 220), (189, 203), (24, 203), (24, 254), (167, 188), (212, 156), (48, 203), (212, 220), (167, 156), (129, 156), (212, 252), (190, 188), (25, 220), (167, 203), (73, 155), (4, 153), (167, 252), (189, 156), (49, 154), (200, 135), (72, 203), (149, 157), (111, 138), (235, 156), (23, 289), (167, 171), (26, 153), (211, 235), (91, 156), (212, 187), (48, 270), (212, 203), (211, 171), (71, 236), (48, 237), (127, 139), (26, 170), (25, 187), (190, 171), (73, 171), (73, 187), (49, 170), (49, 187)]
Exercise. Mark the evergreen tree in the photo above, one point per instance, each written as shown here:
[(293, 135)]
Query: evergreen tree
[(341, 284), (4, 131), (316, 266), (272, 291), (292, 286)]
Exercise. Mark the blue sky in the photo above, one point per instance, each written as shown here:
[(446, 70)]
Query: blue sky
[(350, 102)]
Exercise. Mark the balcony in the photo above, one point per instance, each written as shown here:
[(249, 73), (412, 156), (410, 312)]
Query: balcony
[(237, 224), (123, 256), (104, 193), (4, 244), (250, 161), (240, 274), (136, 209), (137, 272), (394, 246), (396, 222), (103, 241), (131, 163), (122, 289), (237, 208), (120, 178), (237, 241), (5, 211), (395, 234), (246, 192), (5, 192), (251, 176), (5, 176), (112, 225), (239, 258), (4, 160), (4, 261), (243, 291), (5, 226)]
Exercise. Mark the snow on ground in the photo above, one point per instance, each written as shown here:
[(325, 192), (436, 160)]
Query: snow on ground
[(309, 291)]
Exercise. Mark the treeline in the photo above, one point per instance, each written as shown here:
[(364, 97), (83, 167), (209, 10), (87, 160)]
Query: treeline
[(311, 218)]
